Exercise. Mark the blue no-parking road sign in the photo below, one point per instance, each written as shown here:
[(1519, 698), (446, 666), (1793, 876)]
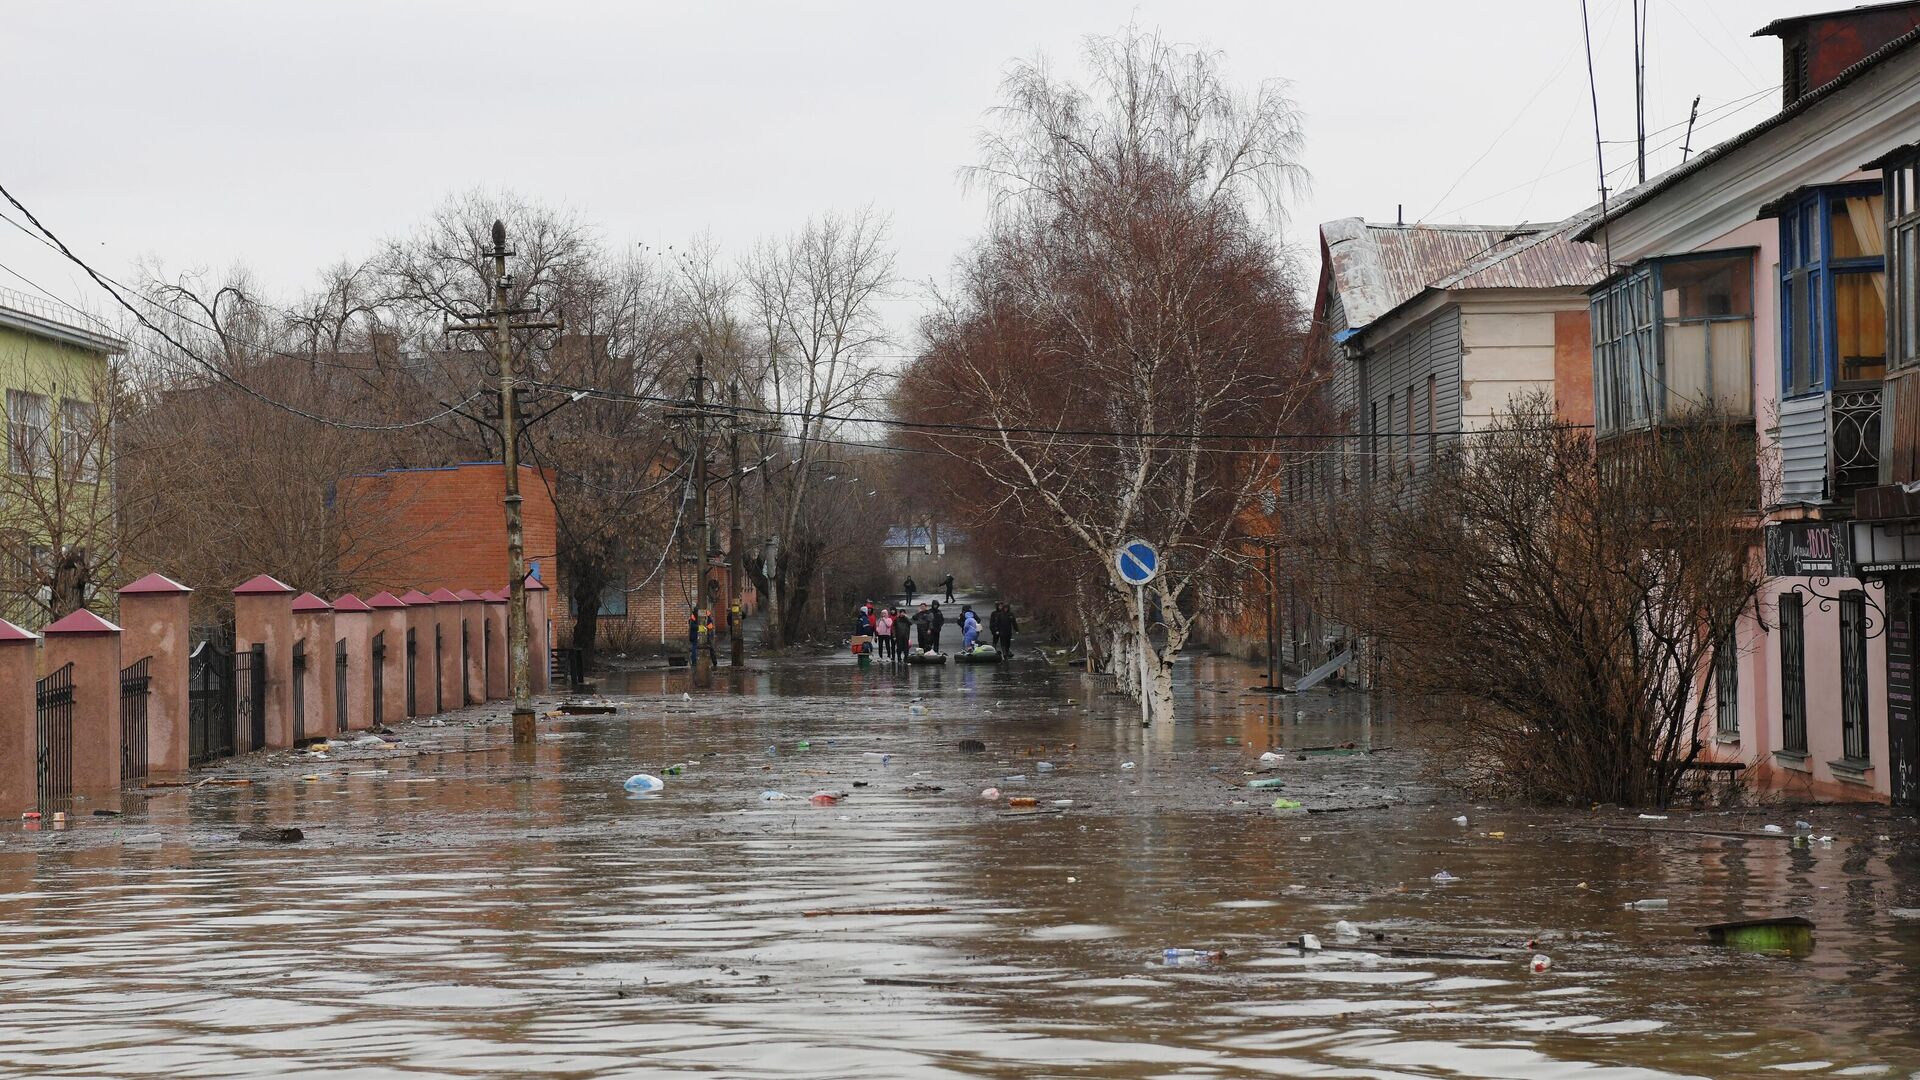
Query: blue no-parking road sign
[(1138, 562)]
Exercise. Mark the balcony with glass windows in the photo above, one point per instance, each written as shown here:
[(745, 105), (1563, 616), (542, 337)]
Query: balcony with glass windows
[(1833, 342), (1672, 348)]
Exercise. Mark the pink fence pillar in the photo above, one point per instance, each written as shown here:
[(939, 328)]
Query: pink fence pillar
[(353, 624), (19, 745), (313, 628), (495, 638), (473, 632), (539, 636), (390, 630), (92, 645), (418, 653), (446, 617), (155, 624), (263, 616)]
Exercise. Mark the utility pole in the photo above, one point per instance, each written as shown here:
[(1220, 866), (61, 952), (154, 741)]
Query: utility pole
[(1640, 88), (501, 322), (702, 669), (736, 555)]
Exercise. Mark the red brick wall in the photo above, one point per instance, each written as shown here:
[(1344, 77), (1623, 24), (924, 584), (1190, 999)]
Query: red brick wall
[(445, 527)]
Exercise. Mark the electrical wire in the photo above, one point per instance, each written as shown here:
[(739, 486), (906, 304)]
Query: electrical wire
[(991, 429), (214, 369)]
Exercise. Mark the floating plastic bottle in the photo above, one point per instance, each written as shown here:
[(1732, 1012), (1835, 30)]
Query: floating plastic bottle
[(1126, 765), (1191, 957), (1043, 766), (774, 796), (1647, 905), (1445, 878), (643, 783), (875, 755), (1266, 782)]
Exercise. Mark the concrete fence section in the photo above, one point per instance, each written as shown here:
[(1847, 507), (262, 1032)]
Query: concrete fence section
[(88, 707)]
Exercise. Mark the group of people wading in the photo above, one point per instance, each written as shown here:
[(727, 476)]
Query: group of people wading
[(892, 628)]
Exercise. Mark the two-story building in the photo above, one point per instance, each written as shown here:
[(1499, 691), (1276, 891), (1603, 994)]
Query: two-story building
[(56, 495), (1768, 281), (1431, 330)]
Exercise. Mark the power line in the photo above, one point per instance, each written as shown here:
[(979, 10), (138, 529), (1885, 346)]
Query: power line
[(1001, 429), (213, 368)]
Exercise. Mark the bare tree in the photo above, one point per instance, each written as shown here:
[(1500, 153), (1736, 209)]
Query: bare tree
[(811, 300), (1124, 340), (1555, 609)]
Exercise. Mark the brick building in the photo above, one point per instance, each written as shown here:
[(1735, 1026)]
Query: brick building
[(444, 528)]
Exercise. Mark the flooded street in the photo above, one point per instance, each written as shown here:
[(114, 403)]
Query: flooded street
[(473, 911)]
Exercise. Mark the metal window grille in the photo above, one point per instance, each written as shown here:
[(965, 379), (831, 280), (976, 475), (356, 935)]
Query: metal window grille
[(135, 686), (1793, 674), (1726, 687), (1853, 674)]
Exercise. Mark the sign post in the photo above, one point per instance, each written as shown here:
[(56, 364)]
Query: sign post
[(1139, 564)]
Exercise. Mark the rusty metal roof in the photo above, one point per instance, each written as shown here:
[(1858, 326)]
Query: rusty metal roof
[(1378, 268)]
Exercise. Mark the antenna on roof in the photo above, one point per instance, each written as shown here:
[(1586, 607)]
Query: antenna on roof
[(1399, 213)]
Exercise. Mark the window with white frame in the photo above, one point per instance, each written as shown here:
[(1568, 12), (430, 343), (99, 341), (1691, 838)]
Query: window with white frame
[(29, 434), (79, 439)]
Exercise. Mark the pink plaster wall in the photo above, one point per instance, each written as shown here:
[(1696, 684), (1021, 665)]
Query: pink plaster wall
[(96, 709), (157, 625), (356, 628), (19, 741), (267, 619), (497, 688), (316, 628), (473, 614), (420, 620)]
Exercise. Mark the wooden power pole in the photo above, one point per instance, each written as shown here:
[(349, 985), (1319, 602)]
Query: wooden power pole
[(501, 322), (736, 556)]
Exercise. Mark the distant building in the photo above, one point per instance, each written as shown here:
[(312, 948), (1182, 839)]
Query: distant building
[(57, 497), (1428, 331)]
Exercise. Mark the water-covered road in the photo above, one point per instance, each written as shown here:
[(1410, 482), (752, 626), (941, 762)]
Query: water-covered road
[(471, 912)]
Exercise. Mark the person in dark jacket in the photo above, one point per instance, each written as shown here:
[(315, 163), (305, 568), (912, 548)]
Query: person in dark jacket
[(939, 621), (1008, 625), (902, 626), (997, 626), (948, 582), (911, 589), (923, 628)]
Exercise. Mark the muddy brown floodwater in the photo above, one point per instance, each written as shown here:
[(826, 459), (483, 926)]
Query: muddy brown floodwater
[(482, 912)]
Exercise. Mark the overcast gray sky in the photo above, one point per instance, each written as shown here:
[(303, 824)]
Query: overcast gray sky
[(284, 137)]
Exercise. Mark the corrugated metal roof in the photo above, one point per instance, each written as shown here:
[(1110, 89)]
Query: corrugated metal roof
[(1378, 268)]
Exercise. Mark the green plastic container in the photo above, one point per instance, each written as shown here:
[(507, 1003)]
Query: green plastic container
[(1265, 783)]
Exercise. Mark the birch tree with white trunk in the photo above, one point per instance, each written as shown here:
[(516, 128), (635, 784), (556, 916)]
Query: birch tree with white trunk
[(1125, 340)]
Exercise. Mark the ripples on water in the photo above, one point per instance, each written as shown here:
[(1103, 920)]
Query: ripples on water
[(493, 913)]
